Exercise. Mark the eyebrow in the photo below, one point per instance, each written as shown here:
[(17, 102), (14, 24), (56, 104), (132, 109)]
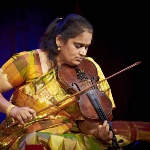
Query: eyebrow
[(82, 44)]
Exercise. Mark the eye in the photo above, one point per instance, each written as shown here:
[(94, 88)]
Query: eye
[(78, 45)]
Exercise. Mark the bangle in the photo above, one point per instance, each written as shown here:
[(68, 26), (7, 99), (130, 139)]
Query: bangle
[(9, 109)]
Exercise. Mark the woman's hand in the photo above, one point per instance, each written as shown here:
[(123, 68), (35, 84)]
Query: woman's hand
[(22, 114), (98, 130), (103, 132)]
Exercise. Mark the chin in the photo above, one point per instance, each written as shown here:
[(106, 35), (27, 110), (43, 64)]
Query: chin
[(73, 65), (76, 64)]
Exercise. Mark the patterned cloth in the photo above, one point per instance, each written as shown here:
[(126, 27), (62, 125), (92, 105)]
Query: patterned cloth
[(55, 127), (133, 130)]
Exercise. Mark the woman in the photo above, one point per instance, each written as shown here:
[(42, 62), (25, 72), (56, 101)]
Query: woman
[(34, 75)]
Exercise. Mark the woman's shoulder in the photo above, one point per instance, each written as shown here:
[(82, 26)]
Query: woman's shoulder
[(21, 59), (25, 53), (25, 57)]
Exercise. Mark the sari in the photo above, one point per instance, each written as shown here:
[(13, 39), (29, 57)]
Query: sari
[(56, 124)]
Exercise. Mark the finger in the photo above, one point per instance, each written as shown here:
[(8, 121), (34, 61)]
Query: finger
[(115, 131), (29, 112), (107, 128), (105, 123), (29, 117), (99, 128), (32, 112), (110, 136), (103, 128), (20, 120), (26, 117)]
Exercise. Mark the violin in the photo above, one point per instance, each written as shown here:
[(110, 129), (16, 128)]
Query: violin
[(94, 104), (78, 78), (81, 81)]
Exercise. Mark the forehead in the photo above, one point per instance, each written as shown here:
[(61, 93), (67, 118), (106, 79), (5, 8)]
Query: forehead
[(84, 38)]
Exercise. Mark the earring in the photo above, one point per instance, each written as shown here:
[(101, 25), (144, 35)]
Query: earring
[(58, 49)]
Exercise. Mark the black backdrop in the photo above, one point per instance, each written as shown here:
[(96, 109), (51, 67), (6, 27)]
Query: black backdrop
[(121, 38)]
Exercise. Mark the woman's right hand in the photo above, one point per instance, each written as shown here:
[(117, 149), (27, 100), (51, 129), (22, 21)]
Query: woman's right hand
[(22, 114)]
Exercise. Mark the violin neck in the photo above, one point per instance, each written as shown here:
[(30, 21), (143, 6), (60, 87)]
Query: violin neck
[(96, 104)]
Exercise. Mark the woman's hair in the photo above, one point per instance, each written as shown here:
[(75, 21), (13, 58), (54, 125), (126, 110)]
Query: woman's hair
[(69, 27)]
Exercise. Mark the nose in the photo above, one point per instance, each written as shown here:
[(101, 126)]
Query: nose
[(83, 51)]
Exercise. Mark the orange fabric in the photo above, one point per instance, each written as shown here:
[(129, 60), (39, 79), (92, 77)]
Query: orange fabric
[(133, 130), (25, 66)]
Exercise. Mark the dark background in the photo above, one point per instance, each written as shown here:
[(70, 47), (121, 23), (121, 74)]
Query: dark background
[(121, 38)]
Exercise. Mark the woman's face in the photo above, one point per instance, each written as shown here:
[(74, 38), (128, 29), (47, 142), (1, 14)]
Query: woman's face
[(74, 50)]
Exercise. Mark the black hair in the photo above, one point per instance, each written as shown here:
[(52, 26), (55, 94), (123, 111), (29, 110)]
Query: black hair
[(69, 27)]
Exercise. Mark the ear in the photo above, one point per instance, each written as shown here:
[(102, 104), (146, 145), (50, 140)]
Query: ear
[(58, 40)]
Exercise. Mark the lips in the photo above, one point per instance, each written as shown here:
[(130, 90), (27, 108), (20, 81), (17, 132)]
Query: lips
[(79, 59)]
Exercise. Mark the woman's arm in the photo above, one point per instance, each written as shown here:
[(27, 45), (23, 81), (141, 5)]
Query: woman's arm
[(21, 114), (4, 86)]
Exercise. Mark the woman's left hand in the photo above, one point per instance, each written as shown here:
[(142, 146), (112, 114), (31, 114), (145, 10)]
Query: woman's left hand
[(103, 132)]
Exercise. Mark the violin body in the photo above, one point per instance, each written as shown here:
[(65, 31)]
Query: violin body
[(78, 79), (89, 112)]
